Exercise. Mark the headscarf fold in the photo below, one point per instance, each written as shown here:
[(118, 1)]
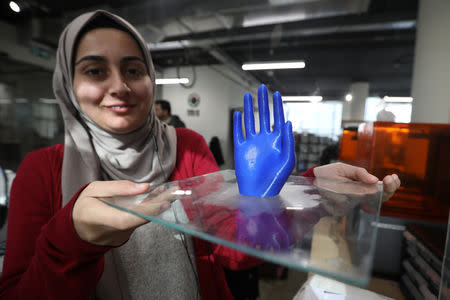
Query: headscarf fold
[(147, 154)]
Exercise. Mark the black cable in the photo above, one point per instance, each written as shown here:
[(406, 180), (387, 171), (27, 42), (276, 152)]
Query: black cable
[(183, 240), (183, 237)]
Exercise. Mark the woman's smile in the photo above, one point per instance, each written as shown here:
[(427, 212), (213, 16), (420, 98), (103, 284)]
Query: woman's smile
[(120, 109)]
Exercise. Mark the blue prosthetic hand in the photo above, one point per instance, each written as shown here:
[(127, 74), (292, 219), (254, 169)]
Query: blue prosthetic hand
[(265, 160)]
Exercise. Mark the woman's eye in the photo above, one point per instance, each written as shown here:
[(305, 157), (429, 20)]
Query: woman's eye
[(94, 72), (134, 72)]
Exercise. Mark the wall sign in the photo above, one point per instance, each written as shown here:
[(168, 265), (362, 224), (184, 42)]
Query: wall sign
[(193, 112), (193, 100)]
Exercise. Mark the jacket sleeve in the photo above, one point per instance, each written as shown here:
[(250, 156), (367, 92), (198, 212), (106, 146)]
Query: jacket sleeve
[(45, 258)]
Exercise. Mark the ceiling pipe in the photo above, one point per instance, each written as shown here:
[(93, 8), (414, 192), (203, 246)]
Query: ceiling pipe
[(236, 68), (406, 24)]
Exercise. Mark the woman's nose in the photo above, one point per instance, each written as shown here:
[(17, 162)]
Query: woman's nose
[(119, 87)]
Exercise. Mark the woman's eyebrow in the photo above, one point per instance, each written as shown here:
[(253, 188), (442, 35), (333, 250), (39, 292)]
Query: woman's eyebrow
[(131, 58), (91, 57)]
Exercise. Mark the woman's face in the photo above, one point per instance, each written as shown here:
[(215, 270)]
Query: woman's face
[(111, 82)]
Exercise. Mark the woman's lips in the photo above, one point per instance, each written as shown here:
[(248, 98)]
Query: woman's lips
[(120, 108)]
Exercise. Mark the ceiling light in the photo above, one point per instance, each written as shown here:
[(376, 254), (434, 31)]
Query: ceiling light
[(348, 97), (172, 81), (302, 98), (14, 6), (398, 99), (274, 65)]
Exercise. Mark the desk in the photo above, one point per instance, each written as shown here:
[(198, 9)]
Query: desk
[(315, 225)]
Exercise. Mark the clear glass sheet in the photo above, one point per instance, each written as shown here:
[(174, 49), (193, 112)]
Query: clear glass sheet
[(323, 226)]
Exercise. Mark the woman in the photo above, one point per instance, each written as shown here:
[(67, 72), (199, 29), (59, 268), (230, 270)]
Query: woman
[(63, 243)]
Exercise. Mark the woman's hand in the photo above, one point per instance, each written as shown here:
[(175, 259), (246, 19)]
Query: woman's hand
[(265, 160), (343, 171), (98, 223)]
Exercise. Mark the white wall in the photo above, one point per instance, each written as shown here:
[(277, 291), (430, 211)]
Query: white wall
[(430, 83), (218, 94)]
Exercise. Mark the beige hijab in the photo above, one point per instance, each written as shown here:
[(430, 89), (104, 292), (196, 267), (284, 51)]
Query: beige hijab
[(91, 154)]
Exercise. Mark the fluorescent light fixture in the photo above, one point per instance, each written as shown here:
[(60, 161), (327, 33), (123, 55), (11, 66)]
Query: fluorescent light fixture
[(274, 65), (398, 99), (5, 101), (14, 6), (172, 80), (302, 98), (255, 19), (348, 97), (171, 45)]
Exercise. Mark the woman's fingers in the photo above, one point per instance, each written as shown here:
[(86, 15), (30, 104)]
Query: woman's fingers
[(100, 189), (152, 208), (154, 204), (397, 180), (157, 201), (158, 190), (99, 223), (391, 183), (343, 171), (114, 218), (359, 174), (161, 196)]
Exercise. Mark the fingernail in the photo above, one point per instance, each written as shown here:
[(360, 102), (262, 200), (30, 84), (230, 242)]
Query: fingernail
[(142, 185)]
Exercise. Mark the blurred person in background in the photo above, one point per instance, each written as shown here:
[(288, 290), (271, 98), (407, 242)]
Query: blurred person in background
[(164, 112)]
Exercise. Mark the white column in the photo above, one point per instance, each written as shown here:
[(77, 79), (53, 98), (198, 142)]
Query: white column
[(354, 110), (431, 75)]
